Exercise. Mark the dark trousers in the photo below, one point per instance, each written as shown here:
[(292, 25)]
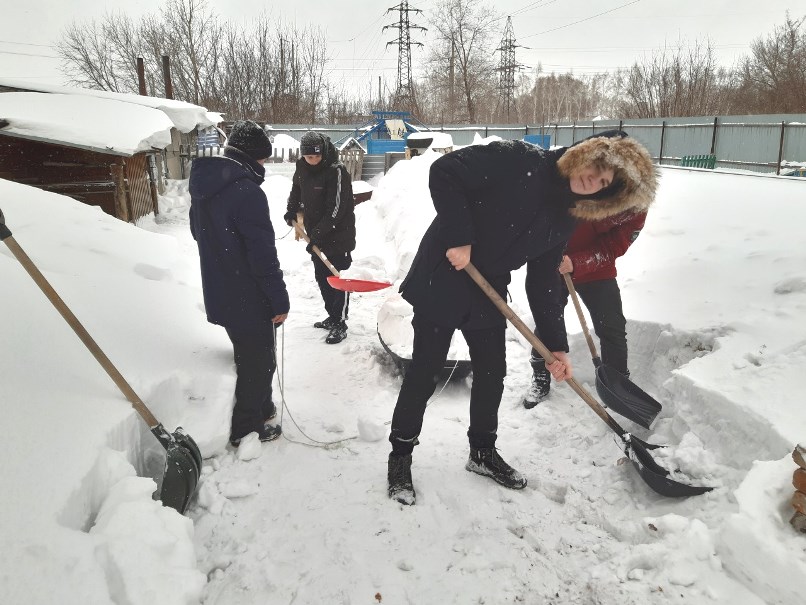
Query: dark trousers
[(603, 301), (431, 343), (337, 302), (255, 362)]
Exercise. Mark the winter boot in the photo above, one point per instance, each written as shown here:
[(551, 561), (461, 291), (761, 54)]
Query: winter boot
[(267, 433), (487, 461), (326, 324), (337, 333), (539, 389), (400, 487)]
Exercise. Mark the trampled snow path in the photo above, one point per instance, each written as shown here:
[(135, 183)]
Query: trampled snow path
[(585, 530)]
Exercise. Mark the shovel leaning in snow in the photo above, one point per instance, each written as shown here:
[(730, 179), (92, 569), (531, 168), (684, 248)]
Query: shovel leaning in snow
[(655, 476), (182, 456), (617, 391), (336, 280)]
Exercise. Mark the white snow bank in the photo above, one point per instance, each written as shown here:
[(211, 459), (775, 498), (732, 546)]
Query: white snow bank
[(99, 124), (184, 116)]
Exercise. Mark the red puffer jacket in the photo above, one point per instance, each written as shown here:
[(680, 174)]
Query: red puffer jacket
[(595, 245)]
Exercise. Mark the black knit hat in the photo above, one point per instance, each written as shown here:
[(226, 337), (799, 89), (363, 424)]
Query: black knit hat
[(249, 137), (312, 143)]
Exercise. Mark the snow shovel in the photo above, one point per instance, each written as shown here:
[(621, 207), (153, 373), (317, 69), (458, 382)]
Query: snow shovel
[(655, 476), (182, 458), (336, 280), (617, 391)]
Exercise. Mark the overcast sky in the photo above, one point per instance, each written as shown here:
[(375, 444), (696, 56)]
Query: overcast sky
[(584, 36)]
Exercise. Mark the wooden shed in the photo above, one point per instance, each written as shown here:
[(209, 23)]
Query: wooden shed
[(122, 186)]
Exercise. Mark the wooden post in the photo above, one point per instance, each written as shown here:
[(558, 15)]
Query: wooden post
[(121, 201), (798, 520), (141, 76), (166, 74), (662, 133)]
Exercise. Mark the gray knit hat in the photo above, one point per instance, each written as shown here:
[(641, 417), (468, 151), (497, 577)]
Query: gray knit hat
[(312, 143)]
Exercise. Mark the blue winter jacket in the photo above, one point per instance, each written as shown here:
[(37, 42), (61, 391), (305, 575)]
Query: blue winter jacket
[(229, 219)]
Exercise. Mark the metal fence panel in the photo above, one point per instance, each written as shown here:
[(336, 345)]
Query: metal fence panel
[(744, 142)]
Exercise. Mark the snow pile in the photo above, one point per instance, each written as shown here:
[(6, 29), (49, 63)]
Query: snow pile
[(99, 124), (713, 289), (184, 116)]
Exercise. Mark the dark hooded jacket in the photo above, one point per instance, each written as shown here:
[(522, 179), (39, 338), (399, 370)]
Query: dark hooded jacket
[(229, 219), (512, 202), (324, 193)]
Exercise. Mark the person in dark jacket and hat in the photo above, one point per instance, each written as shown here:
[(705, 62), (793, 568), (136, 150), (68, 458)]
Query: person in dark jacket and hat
[(323, 192), (242, 281), (502, 205), (590, 260)]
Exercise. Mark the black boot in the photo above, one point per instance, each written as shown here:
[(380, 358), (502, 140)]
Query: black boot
[(540, 386), (326, 324), (400, 487), (487, 461), (337, 333)]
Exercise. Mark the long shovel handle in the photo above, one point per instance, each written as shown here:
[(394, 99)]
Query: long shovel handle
[(301, 232), (516, 321), (569, 283), (81, 332)]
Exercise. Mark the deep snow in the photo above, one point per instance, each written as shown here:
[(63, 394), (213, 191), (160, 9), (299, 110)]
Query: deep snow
[(714, 289)]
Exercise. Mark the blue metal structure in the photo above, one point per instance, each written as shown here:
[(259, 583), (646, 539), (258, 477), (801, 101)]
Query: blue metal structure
[(541, 140), (375, 133)]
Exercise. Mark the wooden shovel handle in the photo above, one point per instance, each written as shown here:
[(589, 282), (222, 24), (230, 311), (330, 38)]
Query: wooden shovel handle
[(301, 232), (516, 321), (569, 283), (80, 331)]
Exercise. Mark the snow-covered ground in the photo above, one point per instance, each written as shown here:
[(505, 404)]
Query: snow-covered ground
[(715, 293)]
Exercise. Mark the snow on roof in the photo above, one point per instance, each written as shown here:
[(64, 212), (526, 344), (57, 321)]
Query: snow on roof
[(185, 116), (87, 122)]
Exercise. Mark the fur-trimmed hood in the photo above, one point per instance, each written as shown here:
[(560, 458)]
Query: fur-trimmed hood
[(634, 184)]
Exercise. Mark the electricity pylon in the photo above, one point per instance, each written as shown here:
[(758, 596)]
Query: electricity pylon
[(404, 98), (506, 73)]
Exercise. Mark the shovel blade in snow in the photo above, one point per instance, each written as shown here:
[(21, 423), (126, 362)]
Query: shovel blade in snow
[(624, 397), (653, 474), (356, 285), (182, 470)]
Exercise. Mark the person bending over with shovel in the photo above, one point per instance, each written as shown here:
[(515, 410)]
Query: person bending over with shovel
[(323, 192), (242, 281), (590, 260), (503, 205)]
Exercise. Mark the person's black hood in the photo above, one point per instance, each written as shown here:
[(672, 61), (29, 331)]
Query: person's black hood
[(209, 175)]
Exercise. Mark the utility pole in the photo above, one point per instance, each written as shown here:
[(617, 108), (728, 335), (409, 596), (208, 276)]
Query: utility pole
[(405, 98), (506, 73)]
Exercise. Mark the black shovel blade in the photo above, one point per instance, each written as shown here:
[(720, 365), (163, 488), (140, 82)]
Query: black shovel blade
[(182, 468), (624, 397), (653, 474)]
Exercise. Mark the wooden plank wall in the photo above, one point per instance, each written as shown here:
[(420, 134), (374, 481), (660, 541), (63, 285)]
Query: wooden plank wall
[(87, 176)]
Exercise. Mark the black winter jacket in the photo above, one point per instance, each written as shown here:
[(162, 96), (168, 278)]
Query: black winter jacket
[(324, 193), (229, 219), (508, 200)]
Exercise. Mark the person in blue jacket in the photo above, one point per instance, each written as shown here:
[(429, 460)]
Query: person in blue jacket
[(242, 281), (501, 205)]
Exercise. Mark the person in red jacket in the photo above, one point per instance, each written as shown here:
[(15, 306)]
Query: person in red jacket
[(590, 258)]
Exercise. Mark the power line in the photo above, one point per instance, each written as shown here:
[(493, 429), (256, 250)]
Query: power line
[(583, 20), (26, 43), (10, 52)]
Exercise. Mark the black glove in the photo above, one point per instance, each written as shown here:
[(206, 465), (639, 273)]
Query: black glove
[(309, 249), (289, 218)]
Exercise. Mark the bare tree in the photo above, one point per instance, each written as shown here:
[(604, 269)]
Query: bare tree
[(675, 82), (460, 64), (773, 78)]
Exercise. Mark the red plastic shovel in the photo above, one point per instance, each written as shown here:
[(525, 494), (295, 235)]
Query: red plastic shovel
[(336, 280)]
